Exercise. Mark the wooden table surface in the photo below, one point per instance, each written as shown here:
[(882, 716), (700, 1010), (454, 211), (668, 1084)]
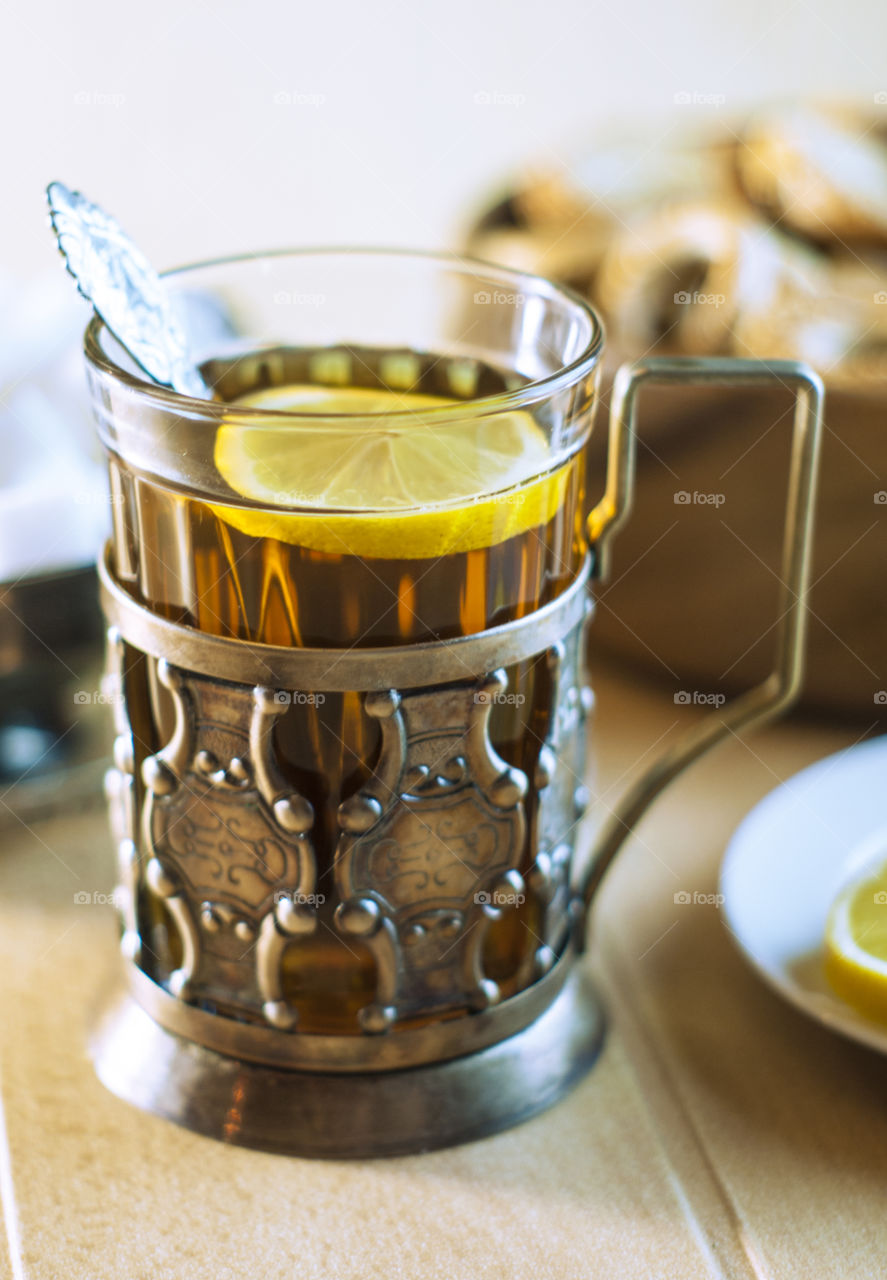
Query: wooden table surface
[(721, 1133)]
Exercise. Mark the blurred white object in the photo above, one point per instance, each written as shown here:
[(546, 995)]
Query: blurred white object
[(54, 502), (784, 865)]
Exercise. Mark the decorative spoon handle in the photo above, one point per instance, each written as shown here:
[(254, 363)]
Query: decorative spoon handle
[(125, 290)]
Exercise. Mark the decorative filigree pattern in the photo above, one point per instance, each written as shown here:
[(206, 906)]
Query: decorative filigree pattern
[(227, 839), (428, 854), (429, 851), (562, 796)]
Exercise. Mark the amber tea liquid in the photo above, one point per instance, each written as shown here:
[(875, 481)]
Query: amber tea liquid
[(205, 564)]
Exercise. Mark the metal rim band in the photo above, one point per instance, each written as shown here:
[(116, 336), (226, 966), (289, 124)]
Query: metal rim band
[(343, 670), (306, 1051)]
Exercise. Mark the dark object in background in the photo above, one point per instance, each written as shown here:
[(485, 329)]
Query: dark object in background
[(708, 247), (50, 661)]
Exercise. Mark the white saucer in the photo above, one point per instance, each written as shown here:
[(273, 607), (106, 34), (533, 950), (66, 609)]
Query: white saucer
[(784, 865)]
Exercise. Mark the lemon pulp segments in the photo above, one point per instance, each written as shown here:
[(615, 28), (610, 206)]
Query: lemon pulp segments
[(410, 488), (856, 943)]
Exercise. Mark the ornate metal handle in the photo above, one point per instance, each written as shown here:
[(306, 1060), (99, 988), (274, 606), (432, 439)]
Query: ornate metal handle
[(768, 699)]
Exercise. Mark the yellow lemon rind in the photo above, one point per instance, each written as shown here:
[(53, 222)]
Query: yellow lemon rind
[(409, 535), (856, 975)]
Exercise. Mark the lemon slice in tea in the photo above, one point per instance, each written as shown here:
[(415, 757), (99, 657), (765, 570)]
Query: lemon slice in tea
[(856, 942), (405, 487)]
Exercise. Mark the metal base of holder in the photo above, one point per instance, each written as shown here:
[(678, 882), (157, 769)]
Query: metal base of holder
[(357, 1115)]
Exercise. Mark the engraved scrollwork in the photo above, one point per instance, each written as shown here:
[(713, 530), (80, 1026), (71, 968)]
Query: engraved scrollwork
[(438, 894), (429, 849), (228, 838)]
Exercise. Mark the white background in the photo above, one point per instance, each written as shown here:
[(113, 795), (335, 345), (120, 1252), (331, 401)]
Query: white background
[(213, 128), (217, 128)]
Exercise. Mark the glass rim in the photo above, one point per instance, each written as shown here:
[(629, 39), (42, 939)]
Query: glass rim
[(497, 402)]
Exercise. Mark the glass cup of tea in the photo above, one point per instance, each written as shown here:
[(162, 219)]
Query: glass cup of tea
[(346, 605)]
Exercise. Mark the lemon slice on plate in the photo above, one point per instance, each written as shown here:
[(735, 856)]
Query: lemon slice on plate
[(856, 941), (408, 487)]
